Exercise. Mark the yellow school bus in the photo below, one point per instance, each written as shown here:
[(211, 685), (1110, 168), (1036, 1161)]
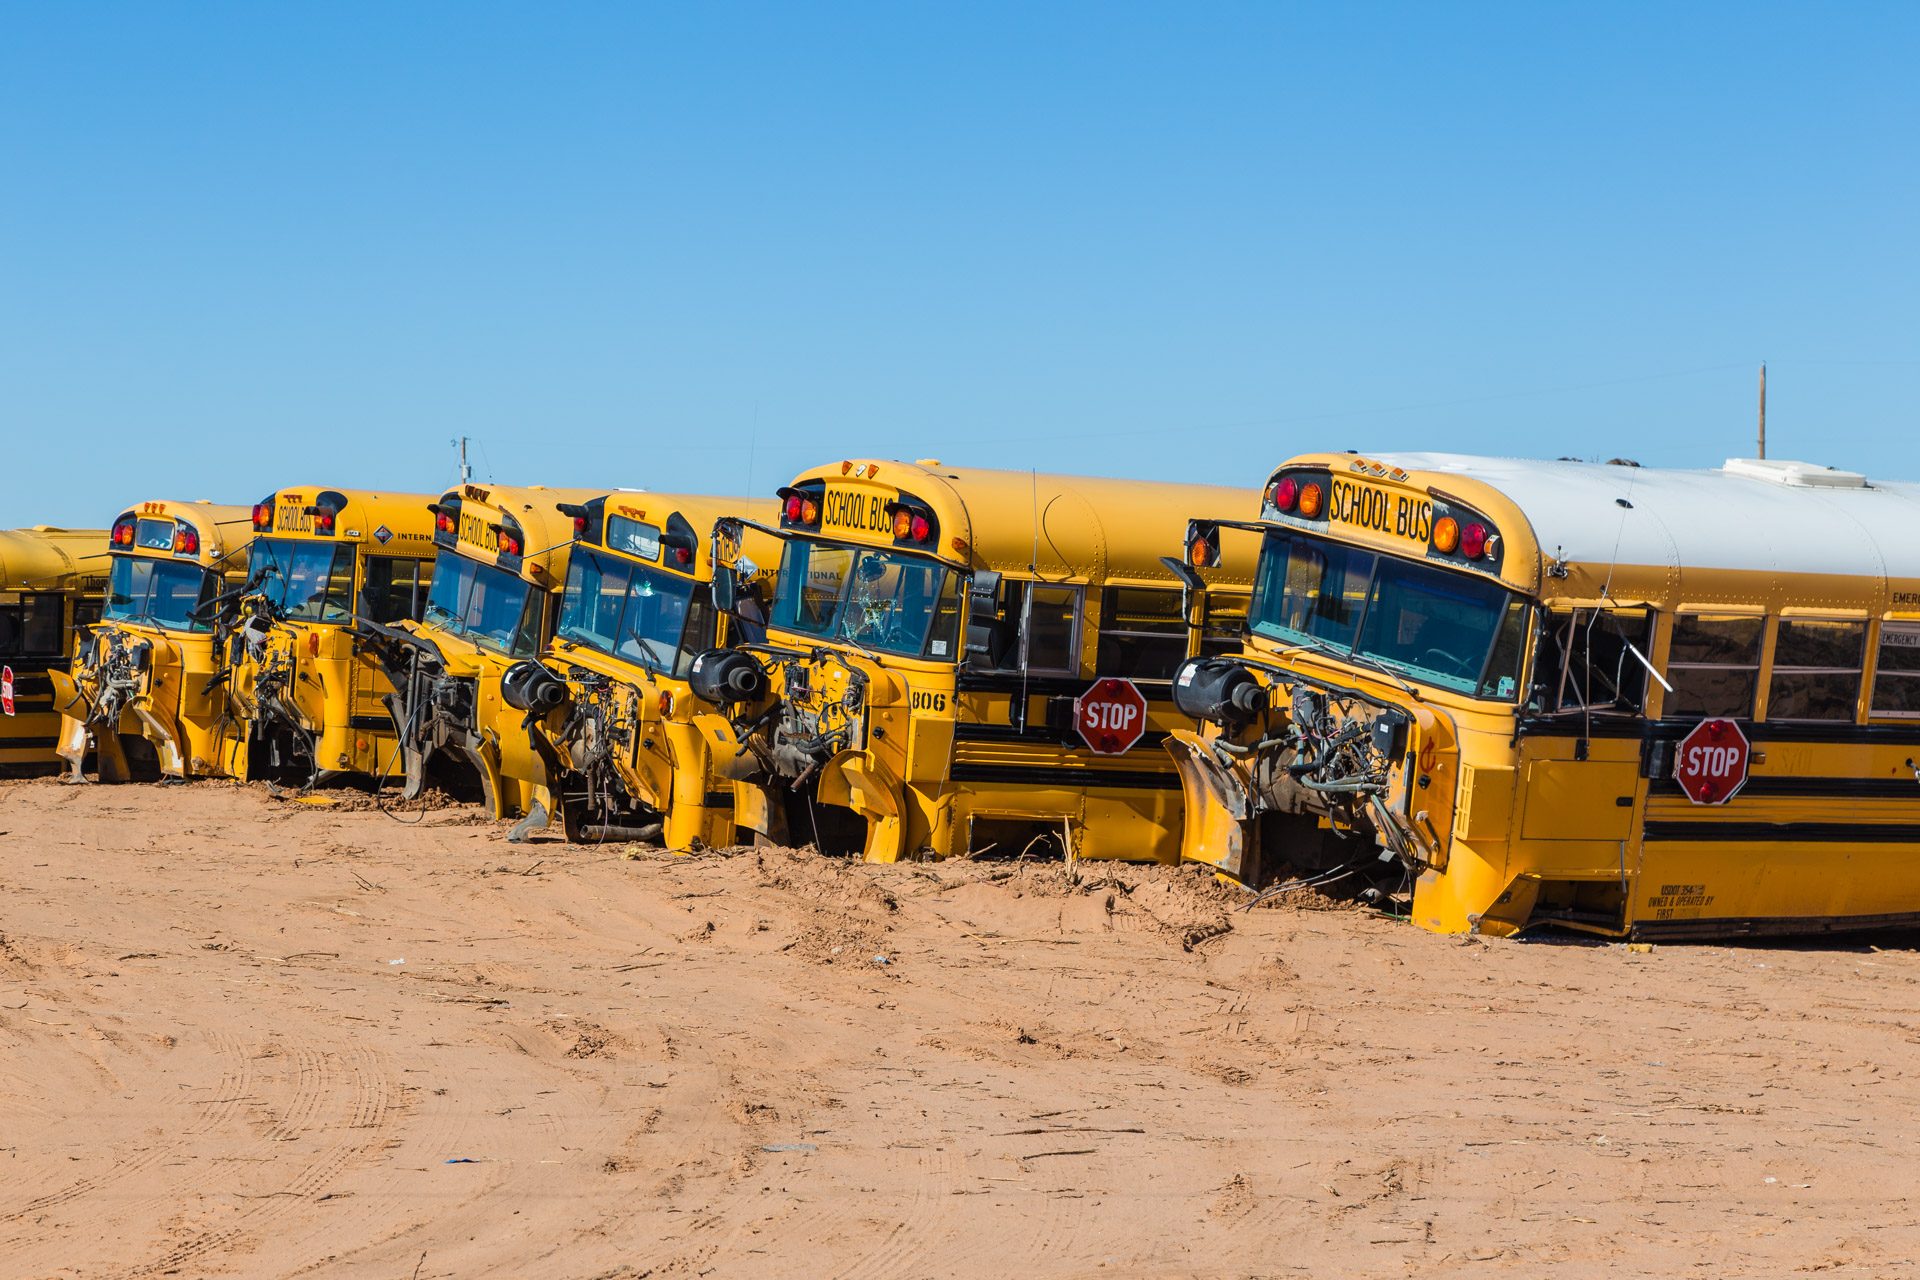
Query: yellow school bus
[(623, 705), (311, 697), (51, 585), (967, 660), (1633, 702), (501, 564), (149, 686)]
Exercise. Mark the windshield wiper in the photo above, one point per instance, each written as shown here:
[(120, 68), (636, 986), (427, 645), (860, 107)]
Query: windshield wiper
[(1358, 659), (641, 651)]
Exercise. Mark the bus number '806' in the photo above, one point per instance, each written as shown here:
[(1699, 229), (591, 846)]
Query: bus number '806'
[(928, 701)]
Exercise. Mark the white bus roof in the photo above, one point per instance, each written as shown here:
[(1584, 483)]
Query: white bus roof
[(1770, 516)]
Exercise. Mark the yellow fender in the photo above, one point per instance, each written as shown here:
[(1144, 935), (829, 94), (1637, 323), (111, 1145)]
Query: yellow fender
[(850, 779), (1215, 813)]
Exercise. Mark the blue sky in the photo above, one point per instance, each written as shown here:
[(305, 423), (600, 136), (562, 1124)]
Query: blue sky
[(697, 247)]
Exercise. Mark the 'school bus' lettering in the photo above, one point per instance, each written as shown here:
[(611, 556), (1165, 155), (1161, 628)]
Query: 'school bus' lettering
[(861, 512), (476, 532), (1362, 506)]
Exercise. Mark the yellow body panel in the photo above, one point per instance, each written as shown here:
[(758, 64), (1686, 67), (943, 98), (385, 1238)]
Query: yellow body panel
[(160, 680), (917, 754), (631, 749), (311, 696), (1521, 815), (491, 541), (51, 584)]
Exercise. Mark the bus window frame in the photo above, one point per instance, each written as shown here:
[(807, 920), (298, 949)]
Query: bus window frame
[(1019, 659), (1775, 669), (1349, 652), (813, 638), (1876, 648), (1759, 666), (1108, 592), (1543, 620)]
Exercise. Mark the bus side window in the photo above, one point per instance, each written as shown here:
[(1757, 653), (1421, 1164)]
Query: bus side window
[(393, 589), (1896, 671), (86, 616), (1713, 664), (40, 618), (1051, 619), (1142, 636), (1816, 669), (1583, 662), (1224, 623)]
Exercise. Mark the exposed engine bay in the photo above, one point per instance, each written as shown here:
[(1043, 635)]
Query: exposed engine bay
[(431, 708), (1320, 778)]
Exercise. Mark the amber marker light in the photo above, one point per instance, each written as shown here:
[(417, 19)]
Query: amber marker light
[(1446, 535), (1310, 497)]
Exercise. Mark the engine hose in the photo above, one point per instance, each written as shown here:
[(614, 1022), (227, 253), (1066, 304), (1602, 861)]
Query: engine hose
[(601, 834), (1221, 744), (1345, 784)]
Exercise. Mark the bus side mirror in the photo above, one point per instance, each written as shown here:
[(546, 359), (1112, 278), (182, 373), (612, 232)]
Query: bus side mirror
[(983, 617), (726, 588), (1191, 585)]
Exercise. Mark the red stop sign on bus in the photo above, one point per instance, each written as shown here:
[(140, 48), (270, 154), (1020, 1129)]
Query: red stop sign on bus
[(1711, 763), (1111, 716)]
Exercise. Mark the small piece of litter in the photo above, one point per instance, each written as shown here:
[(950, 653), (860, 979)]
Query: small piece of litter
[(471, 1160), (1640, 947), (791, 1146), (881, 960), (314, 800), (834, 952), (1773, 1179), (401, 961)]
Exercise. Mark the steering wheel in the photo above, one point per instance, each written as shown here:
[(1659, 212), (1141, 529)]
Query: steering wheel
[(1459, 664)]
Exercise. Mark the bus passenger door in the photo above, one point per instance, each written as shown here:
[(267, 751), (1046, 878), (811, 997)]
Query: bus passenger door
[(1579, 791)]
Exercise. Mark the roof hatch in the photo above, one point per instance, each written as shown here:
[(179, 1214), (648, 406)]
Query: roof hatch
[(1797, 475)]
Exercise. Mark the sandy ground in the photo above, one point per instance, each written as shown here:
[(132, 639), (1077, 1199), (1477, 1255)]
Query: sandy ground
[(246, 1037)]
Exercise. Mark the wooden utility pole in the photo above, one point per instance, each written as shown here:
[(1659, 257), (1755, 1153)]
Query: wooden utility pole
[(1763, 408)]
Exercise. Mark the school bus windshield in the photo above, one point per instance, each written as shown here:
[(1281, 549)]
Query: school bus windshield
[(629, 611), (489, 606), (881, 600), (305, 581), (163, 592), (1452, 629)]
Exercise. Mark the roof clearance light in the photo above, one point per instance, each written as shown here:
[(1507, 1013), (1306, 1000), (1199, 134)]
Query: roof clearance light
[(186, 541), (1473, 541), (902, 524), (793, 508), (1310, 500), (1446, 535), (1285, 492), (262, 516)]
